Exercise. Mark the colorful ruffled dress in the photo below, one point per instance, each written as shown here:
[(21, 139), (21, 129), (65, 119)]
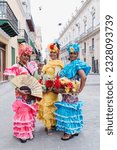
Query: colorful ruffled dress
[(18, 69), (24, 118), (69, 114), (46, 105)]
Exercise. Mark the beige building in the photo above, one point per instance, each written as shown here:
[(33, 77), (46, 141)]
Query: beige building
[(16, 26), (84, 28)]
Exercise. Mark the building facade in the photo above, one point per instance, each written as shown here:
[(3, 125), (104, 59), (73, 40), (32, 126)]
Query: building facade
[(84, 28)]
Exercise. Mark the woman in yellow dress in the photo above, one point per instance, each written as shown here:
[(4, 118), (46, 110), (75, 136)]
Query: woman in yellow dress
[(46, 105)]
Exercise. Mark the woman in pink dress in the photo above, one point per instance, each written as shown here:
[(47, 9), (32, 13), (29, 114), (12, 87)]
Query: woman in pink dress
[(25, 108), (25, 111), (23, 66)]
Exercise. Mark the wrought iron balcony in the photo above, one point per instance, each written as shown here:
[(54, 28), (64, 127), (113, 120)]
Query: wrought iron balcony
[(91, 49), (23, 36), (84, 51), (8, 21), (30, 23)]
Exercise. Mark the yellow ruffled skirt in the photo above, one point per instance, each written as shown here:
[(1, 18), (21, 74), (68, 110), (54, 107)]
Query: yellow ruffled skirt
[(47, 109)]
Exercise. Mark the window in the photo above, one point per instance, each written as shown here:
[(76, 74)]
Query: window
[(85, 27), (13, 55), (92, 43), (73, 33), (93, 16), (93, 19), (78, 30), (84, 47)]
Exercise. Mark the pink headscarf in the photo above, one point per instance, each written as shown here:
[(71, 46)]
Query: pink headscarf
[(24, 48)]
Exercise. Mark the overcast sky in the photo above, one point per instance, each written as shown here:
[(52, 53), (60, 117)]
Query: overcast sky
[(52, 12)]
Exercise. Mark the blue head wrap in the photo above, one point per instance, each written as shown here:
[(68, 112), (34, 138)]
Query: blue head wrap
[(73, 47)]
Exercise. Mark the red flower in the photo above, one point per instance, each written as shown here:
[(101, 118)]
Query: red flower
[(52, 46), (70, 85), (40, 81), (49, 83), (57, 83)]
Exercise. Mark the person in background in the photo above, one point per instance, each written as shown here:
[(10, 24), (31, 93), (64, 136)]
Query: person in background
[(69, 111), (46, 105)]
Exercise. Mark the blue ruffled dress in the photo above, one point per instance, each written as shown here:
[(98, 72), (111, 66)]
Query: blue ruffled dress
[(69, 113)]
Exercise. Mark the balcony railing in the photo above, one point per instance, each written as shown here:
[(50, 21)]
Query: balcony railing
[(84, 51), (6, 14), (91, 49), (30, 22), (23, 36)]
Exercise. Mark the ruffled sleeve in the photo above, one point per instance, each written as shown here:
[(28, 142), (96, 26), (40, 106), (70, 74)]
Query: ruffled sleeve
[(71, 70), (12, 71), (80, 65)]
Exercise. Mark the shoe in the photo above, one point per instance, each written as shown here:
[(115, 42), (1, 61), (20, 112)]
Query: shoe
[(23, 141), (76, 134), (67, 137)]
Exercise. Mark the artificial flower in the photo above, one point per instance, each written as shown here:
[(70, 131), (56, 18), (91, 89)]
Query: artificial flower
[(71, 49), (49, 83)]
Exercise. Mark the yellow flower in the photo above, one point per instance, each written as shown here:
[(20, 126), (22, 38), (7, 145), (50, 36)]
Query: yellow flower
[(75, 85), (71, 49), (66, 89)]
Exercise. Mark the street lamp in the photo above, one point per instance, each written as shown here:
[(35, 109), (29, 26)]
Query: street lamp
[(59, 24), (40, 8)]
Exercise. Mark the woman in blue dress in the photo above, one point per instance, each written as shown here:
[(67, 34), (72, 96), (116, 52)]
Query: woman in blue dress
[(69, 111)]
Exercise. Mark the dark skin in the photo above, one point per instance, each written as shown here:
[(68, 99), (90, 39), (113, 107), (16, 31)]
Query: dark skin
[(24, 58), (73, 56)]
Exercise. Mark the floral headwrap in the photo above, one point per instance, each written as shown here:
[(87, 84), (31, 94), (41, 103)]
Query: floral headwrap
[(24, 48), (73, 48), (53, 48)]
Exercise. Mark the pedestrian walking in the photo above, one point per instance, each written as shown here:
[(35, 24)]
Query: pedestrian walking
[(69, 114)]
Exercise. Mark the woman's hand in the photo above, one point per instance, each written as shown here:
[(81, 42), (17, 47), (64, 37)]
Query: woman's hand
[(22, 92)]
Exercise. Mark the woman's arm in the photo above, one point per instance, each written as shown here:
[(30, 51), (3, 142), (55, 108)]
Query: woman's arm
[(83, 78), (57, 70)]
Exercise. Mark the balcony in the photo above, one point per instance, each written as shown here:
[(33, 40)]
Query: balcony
[(84, 51), (22, 37), (8, 21), (30, 23), (91, 49)]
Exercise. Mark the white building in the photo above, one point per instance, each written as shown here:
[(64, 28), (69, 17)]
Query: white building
[(84, 28)]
